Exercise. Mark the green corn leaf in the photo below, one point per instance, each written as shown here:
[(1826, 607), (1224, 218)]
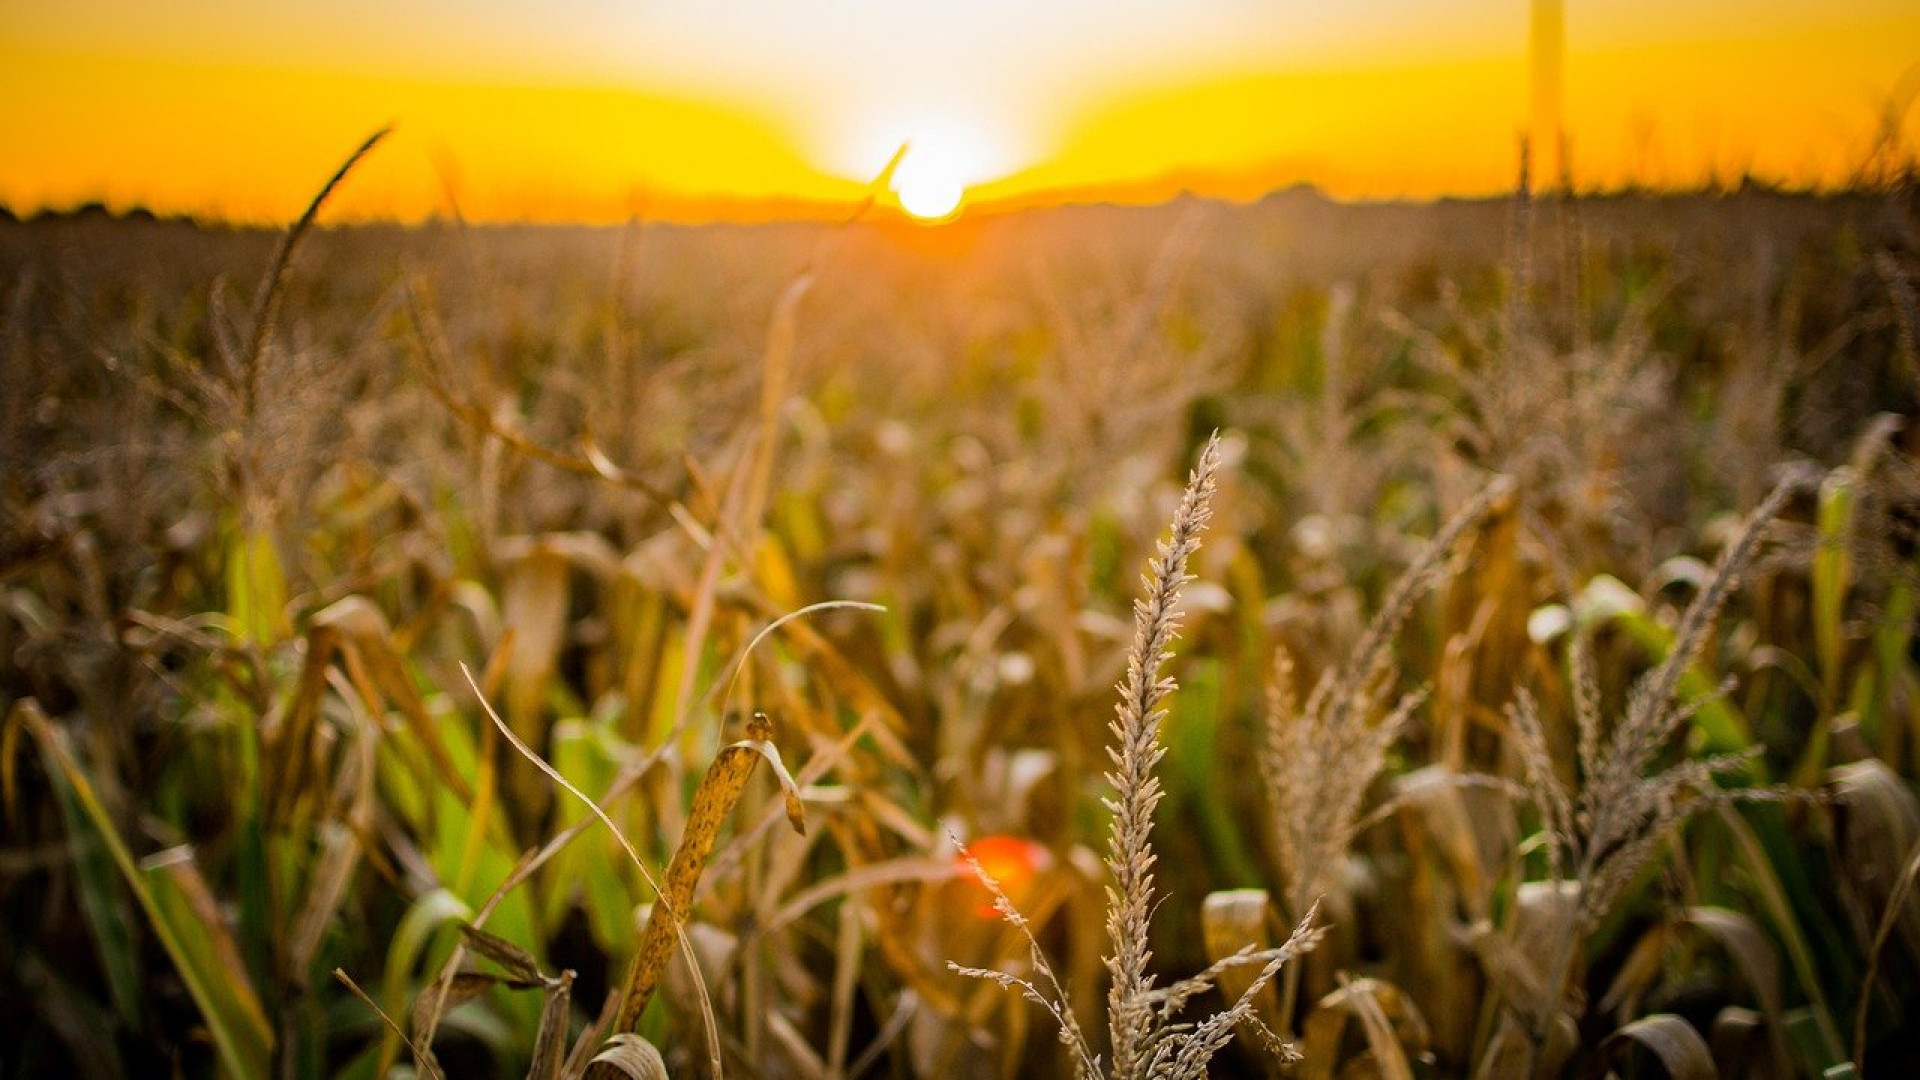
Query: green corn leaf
[(434, 911), (206, 946), (256, 589), (244, 1046), (100, 898)]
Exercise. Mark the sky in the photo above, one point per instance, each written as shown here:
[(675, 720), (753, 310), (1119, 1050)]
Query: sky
[(599, 109)]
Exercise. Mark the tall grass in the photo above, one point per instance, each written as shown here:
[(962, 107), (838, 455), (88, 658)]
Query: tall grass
[(1143, 1038)]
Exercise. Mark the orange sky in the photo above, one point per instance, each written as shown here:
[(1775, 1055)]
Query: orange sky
[(595, 109)]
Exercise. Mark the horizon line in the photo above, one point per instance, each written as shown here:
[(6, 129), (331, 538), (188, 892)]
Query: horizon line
[(677, 208)]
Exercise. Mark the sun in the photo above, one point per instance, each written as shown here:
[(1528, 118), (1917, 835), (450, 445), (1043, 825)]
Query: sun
[(933, 160), (928, 184)]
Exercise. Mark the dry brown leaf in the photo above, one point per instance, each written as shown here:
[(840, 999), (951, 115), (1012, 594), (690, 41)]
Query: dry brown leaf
[(328, 880), (550, 1042), (517, 962), (1735, 1036), (1879, 825), (534, 603), (442, 997), (1753, 953), (1681, 1050), (1388, 1018), (631, 1055), (719, 790), (1231, 921)]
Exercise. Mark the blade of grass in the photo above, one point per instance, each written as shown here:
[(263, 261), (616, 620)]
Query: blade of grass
[(244, 1047), (266, 309), (426, 1062), (1779, 909), (1896, 904), (99, 899), (181, 892), (431, 912), (686, 946)]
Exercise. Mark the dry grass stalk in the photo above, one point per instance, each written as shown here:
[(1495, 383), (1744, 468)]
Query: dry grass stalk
[(1137, 750), (1320, 760), (432, 357), (266, 311), (1145, 1040), (251, 429), (1622, 814), (1896, 904)]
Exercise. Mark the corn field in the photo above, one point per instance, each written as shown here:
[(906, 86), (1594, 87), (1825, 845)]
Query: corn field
[(695, 651)]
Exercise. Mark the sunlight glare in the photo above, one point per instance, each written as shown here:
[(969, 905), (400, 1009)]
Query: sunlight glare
[(927, 185), (949, 152)]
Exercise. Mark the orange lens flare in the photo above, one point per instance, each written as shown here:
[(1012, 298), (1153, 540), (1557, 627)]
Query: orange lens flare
[(1011, 861)]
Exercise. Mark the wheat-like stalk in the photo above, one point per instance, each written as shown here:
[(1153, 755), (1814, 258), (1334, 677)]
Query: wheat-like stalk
[(1622, 813), (1146, 1041), (1135, 753), (1319, 760)]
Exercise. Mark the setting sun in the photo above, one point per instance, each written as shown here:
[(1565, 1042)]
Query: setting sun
[(928, 187), (946, 154)]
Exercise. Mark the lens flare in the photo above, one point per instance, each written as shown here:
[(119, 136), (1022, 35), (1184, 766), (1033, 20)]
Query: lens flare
[(1011, 861)]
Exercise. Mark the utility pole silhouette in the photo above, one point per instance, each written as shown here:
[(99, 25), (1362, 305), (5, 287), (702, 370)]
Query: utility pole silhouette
[(1546, 124)]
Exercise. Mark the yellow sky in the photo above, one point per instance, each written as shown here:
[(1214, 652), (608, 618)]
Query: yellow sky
[(598, 108)]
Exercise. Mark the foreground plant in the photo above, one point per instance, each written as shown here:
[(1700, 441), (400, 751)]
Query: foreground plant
[(1143, 1034)]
